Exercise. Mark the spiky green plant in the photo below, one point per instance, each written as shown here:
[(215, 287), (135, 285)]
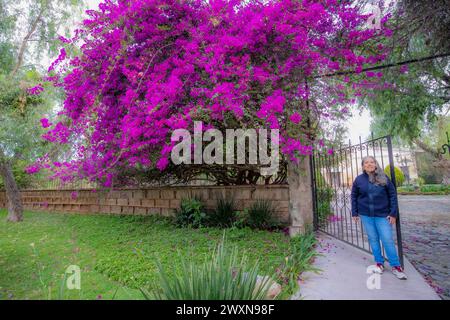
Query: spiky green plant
[(261, 215), (224, 214), (223, 276), (302, 253)]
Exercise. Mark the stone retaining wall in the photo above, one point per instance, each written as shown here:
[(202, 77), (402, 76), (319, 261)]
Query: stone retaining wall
[(160, 201)]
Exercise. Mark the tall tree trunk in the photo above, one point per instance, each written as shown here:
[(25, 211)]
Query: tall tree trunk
[(15, 207), (439, 161), (444, 166)]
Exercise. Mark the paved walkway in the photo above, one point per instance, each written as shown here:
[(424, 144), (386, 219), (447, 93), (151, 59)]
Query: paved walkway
[(344, 277), (425, 222)]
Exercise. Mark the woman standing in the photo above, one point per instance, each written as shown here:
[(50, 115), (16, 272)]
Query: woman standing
[(374, 200)]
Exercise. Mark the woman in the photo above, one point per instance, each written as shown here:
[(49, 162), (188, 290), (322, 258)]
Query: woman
[(374, 200)]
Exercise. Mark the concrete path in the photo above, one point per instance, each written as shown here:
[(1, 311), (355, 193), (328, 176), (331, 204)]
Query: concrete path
[(344, 277)]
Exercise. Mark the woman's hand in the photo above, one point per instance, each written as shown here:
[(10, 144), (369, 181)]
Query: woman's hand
[(391, 219), (355, 219)]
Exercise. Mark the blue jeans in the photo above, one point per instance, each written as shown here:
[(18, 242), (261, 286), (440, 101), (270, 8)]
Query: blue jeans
[(379, 228)]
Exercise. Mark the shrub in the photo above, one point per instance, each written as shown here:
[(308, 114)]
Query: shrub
[(191, 213), (224, 214), (241, 219), (427, 188), (223, 276), (420, 181), (324, 198), (261, 215), (399, 176), (406, 189), (438, 188)]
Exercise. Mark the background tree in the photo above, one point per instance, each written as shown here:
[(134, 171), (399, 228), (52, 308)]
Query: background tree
[(416, 95), (28, 34)]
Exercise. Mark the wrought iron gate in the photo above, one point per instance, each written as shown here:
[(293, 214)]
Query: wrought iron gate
[(332, 178)]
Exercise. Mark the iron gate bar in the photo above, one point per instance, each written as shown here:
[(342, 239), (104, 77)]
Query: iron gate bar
[(397, 224), (357, 168), (353, 178), (346, 165), (331, 191)]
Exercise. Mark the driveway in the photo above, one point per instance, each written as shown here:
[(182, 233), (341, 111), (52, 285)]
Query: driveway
[(425, 223)]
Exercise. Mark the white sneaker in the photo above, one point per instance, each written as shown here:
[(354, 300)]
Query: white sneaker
[(378, 268), (398, 272)]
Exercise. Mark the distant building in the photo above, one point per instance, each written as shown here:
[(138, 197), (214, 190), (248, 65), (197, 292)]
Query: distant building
[(346, 164)]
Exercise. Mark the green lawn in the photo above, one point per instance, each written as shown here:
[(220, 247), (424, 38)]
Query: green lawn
[(116, 254)]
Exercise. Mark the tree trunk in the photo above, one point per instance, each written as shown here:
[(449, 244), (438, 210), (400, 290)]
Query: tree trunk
[(439, 162), (15, 207), (444, 166)]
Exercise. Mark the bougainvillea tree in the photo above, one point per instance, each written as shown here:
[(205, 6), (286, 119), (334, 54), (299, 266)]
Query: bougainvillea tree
[(148, 67)]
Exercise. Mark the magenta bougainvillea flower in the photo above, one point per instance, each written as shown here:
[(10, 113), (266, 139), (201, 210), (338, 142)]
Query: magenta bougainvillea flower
[(295, 118), (148, 67), (35, 90), (45, 123)]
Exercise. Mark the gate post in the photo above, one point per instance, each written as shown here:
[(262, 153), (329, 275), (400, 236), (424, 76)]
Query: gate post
[(300, 196)]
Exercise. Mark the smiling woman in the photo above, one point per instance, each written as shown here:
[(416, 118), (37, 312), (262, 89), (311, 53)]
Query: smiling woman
[(374, 199)]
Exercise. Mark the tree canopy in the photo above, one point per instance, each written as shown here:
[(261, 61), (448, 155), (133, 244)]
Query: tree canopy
[(419, 91)]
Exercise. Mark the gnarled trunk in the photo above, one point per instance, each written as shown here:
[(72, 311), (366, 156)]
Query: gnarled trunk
[(444, 166), (13, 196), (440, 161)]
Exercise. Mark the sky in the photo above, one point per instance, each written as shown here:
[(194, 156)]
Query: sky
[(358, 125)]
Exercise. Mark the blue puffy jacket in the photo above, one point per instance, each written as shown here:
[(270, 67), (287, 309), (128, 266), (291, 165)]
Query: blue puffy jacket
[(373, 200)]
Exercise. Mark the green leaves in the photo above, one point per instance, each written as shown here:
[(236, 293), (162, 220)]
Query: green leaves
[(414, 96), (225, 213), (20, 112), (261, 215), (191, 213), (223, 276), (302, 254), (399, 176)]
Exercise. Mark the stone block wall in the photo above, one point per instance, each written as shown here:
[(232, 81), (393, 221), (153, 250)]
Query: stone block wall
[(158, 201)]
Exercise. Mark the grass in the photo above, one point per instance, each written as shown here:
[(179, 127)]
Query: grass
[(117, 254)]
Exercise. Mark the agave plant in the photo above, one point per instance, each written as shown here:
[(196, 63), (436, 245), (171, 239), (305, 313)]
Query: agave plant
[(223, 276)]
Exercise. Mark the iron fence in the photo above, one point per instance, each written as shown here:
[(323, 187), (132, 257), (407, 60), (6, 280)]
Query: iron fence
[(332, 178)]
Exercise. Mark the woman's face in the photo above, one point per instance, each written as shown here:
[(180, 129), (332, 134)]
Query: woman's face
[(369, 165)]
